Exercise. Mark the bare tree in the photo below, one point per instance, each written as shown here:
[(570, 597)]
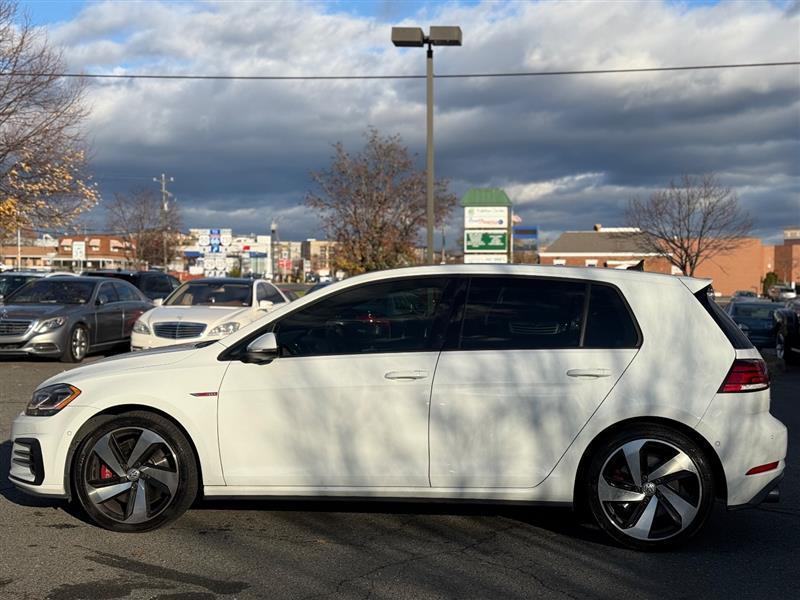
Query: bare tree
[(43, 180), (138, 218), (373, 204), (691, 221)]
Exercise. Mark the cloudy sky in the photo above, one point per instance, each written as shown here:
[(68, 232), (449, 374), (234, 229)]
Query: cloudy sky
[(570, 151)]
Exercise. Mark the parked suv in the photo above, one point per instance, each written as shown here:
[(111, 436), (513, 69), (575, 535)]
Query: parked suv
[(153, 284), (630, 395)]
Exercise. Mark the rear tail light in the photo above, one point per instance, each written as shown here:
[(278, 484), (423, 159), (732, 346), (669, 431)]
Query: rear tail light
[(746, 375)]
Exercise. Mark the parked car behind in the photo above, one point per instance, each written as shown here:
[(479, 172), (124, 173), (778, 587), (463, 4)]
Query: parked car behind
[(153, 284), (630, 395), (69, 317), (11, 280), (205, 309), (781, 293), (787, 339), (756, 319), (746, 295)]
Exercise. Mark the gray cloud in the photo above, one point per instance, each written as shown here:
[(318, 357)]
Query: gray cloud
[(570, 150)]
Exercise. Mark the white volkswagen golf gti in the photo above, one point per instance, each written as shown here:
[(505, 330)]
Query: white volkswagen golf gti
[(631, 396)]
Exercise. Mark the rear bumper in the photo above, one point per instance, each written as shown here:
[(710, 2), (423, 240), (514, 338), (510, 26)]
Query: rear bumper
[(769, 493)]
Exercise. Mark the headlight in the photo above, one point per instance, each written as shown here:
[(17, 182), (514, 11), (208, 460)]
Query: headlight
[(49, 400), (51, 324), (140, 327), (225, 328)]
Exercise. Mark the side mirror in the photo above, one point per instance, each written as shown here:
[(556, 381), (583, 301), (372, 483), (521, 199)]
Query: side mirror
[(158, 302), (265, 305), (262, 350)]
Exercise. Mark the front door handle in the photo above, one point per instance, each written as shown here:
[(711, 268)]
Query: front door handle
[(407, 375), (589, 373)]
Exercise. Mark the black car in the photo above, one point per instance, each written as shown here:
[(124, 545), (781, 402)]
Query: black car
[(756, 319), (69, 317), (787, 339), (154, 284)]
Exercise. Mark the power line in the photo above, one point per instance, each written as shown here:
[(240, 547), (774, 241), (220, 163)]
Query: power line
[(366, 77)]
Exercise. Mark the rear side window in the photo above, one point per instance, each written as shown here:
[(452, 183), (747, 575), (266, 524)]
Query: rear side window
[(609, 323), (522, 313), (126, 292), (735, 336)]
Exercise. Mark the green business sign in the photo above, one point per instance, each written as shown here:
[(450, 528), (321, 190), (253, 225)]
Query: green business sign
[(486, 240)]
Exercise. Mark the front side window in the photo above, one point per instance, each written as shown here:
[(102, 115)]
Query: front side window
[(405, 315), (522, 313)]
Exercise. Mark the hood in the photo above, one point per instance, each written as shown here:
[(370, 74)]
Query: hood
[(37, 311), (145, 359), (211, 315)]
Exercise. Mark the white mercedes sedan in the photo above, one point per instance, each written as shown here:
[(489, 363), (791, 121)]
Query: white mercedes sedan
[(205, 309), (631, 396)]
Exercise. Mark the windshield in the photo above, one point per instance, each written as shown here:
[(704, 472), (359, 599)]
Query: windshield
[(9, 283), (53, 291), (751, 311), (205, 293)]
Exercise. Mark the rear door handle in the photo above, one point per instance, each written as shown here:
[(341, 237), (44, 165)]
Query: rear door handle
[(408, 375), (589, 373)]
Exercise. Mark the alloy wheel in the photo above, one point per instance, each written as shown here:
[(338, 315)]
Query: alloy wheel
[(650, 489), (79, 343), (132, 475)]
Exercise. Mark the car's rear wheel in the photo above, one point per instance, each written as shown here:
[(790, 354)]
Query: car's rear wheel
[(77, 345), (134, 472), (650, 487)]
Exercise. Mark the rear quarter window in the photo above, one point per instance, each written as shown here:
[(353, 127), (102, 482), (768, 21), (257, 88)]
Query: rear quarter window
[(609, 323)]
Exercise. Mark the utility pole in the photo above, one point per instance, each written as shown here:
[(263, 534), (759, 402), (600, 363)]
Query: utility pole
[(164, 208), (19, 249)]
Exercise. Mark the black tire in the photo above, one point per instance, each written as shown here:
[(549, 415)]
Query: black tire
[(645, 516), (76, 350), (784, 350), (165, 474)]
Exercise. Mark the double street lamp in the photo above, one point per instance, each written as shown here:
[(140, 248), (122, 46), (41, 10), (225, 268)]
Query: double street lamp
[(404, 37)]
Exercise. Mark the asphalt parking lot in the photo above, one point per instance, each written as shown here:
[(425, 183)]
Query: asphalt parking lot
[(271, 549)]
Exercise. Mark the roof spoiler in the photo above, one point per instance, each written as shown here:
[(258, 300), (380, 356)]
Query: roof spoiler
[(694, 284)]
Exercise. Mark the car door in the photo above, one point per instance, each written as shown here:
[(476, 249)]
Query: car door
[(346, 403), (132, 305), (108, 314), (522, 376)]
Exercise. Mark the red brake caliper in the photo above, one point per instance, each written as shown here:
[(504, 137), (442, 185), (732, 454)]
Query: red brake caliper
[(106, 473)]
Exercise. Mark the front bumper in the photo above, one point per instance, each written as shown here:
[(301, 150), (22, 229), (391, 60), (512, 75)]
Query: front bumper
[(48, 343), (41, 446)]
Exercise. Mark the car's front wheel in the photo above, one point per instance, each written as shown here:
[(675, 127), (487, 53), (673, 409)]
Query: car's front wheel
[(134, 472), (77, 345), (650, 487)]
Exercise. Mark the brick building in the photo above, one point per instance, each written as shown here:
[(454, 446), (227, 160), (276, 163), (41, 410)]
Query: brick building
[(103, 251)]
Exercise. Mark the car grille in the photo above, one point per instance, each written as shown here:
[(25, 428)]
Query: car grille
[(178, 330), (14, 327)]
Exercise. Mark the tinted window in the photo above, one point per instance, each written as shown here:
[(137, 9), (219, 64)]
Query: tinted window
[(522, 313), (397, 316), (126, 292), (609, 323), (156, 284), (268, 292), (9, 283), (753, 311), (735, 336), (106, 294)]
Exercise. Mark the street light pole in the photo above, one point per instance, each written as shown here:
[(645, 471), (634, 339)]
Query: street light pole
[(438, 36)]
